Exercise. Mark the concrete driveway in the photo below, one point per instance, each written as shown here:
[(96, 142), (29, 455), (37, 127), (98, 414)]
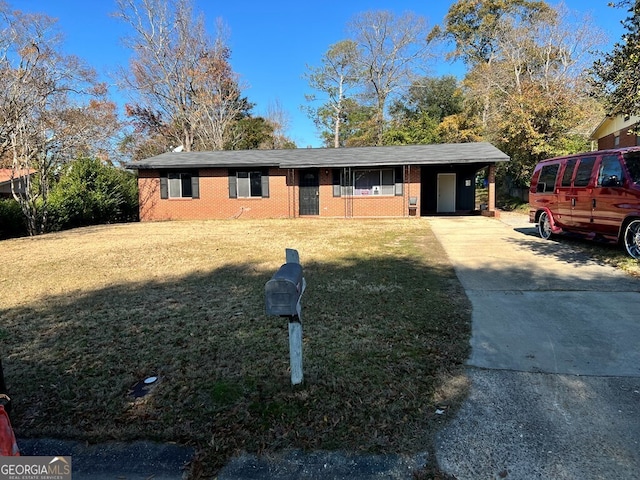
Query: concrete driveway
[(555, 363)]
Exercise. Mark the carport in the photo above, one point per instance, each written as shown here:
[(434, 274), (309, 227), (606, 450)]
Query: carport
[(447, 172)]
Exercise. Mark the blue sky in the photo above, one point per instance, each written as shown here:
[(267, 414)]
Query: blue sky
[(271, 41)]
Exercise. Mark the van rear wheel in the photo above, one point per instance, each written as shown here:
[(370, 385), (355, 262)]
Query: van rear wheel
[(631, 238), (544, 226)]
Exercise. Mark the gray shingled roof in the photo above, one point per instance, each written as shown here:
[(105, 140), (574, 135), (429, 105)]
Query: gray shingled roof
[(329, 157)]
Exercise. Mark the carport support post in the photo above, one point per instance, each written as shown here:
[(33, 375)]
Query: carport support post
[(492, 187)]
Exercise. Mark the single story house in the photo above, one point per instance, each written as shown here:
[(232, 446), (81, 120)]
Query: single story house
[(391, 181), (8, 177), (616, 131)]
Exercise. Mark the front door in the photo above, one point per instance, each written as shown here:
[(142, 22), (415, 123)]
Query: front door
[(309, 192), (446, 193)]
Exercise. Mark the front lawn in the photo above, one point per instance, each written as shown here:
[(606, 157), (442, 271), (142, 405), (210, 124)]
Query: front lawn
[(89, 312)]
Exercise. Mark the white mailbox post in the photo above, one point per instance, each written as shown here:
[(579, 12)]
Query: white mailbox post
[(283, 294)]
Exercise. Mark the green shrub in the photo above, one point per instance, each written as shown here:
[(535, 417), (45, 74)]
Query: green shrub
[(11, 219), (90, 192), (513, 204)]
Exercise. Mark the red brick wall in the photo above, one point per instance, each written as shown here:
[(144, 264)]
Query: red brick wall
[(627, 139), (355, 206), (283, 201), (606, 143)]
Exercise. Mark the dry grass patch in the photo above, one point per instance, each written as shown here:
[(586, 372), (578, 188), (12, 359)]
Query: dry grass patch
[(601, 252), (89, 312), (609, 254)]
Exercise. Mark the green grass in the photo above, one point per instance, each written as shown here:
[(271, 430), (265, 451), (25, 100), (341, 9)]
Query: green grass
[(89, 312)]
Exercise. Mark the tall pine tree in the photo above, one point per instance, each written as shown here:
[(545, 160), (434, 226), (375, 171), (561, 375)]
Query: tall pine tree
[(617, 75)]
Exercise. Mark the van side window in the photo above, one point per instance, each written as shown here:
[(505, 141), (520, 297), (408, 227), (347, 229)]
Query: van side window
[(583, 175), (547, 180), (610, 174), (568, 172), (632, 160)]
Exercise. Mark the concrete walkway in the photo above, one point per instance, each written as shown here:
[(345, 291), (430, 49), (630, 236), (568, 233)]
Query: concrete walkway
[(555, 363)]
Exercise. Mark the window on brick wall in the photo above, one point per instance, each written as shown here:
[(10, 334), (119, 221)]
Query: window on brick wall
[(367, 182), (249, 183), (179, 185)]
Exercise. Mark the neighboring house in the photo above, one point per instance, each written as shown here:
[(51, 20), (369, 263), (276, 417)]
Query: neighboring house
[(6, 175), (393, 181), (616, 132)]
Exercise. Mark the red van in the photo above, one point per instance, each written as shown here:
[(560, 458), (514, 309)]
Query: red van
[(594, 193)]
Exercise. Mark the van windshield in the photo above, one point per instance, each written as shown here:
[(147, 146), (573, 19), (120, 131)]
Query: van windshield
[(632, 160)]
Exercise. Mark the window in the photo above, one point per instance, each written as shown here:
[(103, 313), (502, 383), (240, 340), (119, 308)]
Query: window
[(568, 172), (368, 182), (373, 182), (342, 182), (547, 180), (610, 174), (249, 183), (337, 182), (179, 185), (583, 175), (632, 160)]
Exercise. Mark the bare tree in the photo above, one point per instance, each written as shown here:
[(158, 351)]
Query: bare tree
[(532, 92), (44, 120), (280, 120), (391, 49), (218, 102), (335, 77), (182, 81)]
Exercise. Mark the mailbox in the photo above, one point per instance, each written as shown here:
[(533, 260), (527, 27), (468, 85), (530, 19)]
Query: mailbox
[(282, 295), (284, 290)]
